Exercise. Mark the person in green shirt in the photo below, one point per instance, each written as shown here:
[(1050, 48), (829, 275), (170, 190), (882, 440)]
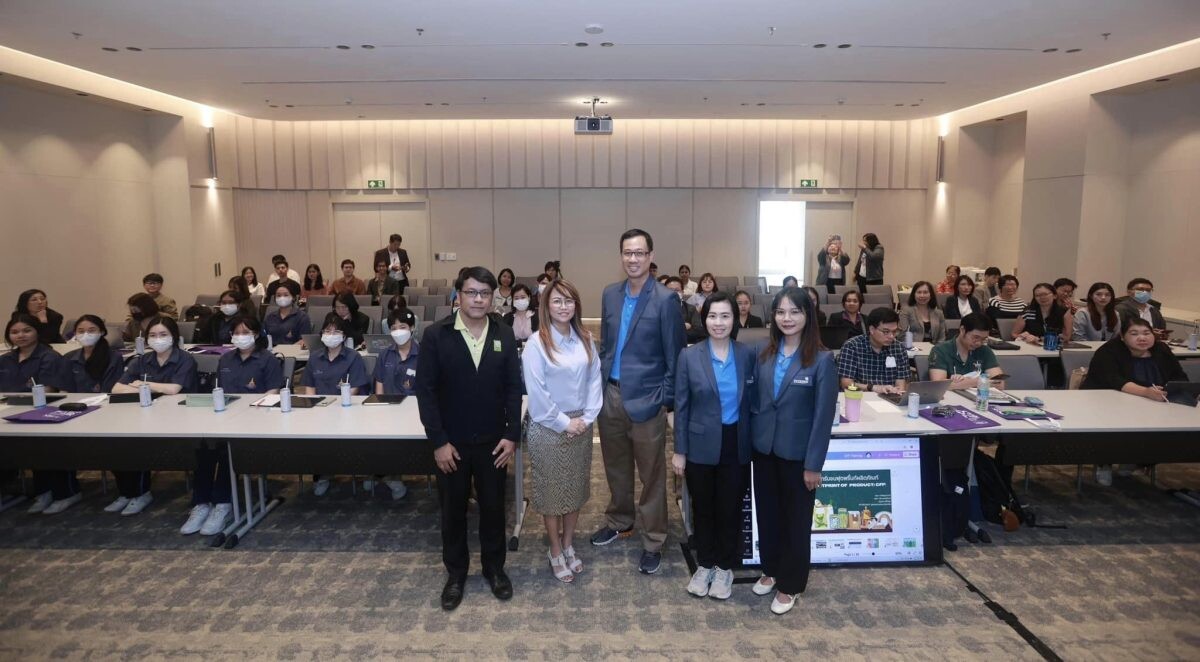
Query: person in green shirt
[(955, 358)]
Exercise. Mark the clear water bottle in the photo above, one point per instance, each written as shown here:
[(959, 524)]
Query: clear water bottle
[(270, 343), (914, 405), (983, 391), (346, 401), (908, 339), (218, 395), (285, 399), (837, 413), (144, 397), (139, 345), (39, 395), (180, 343)]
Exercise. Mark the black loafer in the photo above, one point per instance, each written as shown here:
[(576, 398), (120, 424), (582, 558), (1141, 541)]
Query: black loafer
[(452, 594), (984, 536), (501, 585)]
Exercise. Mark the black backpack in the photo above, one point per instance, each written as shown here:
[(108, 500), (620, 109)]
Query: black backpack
[(996, 495)]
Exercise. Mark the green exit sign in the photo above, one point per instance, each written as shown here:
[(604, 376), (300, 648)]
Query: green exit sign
[(808, 183), (376, 183)]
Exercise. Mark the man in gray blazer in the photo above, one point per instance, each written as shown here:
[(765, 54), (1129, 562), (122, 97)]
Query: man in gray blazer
[(641, 336)]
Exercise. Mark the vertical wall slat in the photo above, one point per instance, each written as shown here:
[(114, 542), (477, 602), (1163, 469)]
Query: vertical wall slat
[(285, 155)]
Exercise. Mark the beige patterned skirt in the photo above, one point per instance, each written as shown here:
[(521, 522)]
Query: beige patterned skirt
[(561, 468)]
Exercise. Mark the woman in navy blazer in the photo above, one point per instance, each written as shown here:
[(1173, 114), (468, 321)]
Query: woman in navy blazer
[(791, 421), (714, 383)]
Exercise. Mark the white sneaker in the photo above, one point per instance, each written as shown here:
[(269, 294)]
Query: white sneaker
[(217, 519), (722, 584), (700, 581), (321, 487), (398, 488), (764, 585), (117, 506), (781, 607), (138, 505), (1104, 474), (40, 502), (196, 519), (62, 504), (368, 486)]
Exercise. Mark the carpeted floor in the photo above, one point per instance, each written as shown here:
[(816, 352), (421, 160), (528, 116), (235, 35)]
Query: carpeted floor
[(352, 576)]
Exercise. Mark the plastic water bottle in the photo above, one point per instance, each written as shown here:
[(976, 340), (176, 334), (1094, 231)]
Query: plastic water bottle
[(270, 342), (39, 395), (180, 343), (218, 394), (144, 398), (914, 405), (908, 339), (349, 343), (139, 345), (983, 391), (346, 402), (285, 399), (837, 413)]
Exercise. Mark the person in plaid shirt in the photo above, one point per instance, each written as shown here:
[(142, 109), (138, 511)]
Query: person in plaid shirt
[(875, 361)]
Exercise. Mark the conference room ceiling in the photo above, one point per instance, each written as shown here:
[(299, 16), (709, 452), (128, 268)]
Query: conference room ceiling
[(378, 59)]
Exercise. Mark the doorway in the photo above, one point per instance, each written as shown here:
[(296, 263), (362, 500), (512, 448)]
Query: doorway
[(360, 229)]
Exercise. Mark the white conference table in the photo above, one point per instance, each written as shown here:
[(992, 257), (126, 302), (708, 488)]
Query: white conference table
[(1030, 349)]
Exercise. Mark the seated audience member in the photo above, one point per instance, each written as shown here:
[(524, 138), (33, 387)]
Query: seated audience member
[(523, 318), (1139, 302), (95, 367), (355, 323), (790, 281), (949, 284), (502, 298), (250, 369), (851, 314), (961, 359), (282, 274), (693, 329), (922, 316), (1064, 291), (1006, 305), (142, 309), (328, 367), (663, 278), (831, 264), (153, 284), (685, 277), (220, 325), (990, 287), (1042, 316), (167, 370), (348, 282), (746, 320), (241, 291), (290, 273), (1098, 319), (382, 285), (815, 296), (654, 270), (32, 362), (543, 281), (964, 302), (706, 288), (256, 288), (553, 270), (48, 322), (287, 324), (314, 283), (1135, 362), (396, 302), (874, 361), (396, 374)]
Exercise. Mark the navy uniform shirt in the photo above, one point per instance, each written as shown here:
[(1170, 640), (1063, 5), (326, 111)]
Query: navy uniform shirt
[(325, 374), (79, 381), (222, 329), (180, 369), (258, 373), (398, 376), (43, 365), (287, 331)]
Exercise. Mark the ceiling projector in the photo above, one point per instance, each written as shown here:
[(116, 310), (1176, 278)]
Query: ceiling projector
[(593, 125)]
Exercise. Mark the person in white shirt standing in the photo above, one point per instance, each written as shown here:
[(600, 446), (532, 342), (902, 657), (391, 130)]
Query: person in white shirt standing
[(562, 380)]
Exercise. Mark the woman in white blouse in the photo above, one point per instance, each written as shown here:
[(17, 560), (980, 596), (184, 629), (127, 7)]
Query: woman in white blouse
[(562, 380)]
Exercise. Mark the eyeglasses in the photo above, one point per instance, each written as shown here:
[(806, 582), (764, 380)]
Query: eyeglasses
[(563, 303), (887, 332), (788, 314), (630, 255), (477, 294)]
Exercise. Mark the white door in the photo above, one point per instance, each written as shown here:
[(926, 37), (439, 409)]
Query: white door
[(360, 229), (824, 219)]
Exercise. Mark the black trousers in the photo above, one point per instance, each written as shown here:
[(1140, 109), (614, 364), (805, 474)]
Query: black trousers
[(785, 508), (830, 282), (212, 476), (61, 484), (476, 467), (717, 493), (862, 284), (132, 484)]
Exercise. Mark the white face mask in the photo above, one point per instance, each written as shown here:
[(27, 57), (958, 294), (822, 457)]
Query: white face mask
[(521, 304), (88, 339), (401, 336), (283, 302), (161, 344), (332, 340), (243, 341), (229, 309)]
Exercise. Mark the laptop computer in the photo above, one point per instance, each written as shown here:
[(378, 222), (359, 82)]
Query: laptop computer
[(1183, 393), (378, 343), (931, 393)]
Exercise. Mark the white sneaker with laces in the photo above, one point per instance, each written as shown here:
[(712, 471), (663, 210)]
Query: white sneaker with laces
[(62, 504), (781, 607), (398, 488), (764, 585), (138, 505), (700, 581), (40, 503), (217, 519), (117, 506), (722, 584), (321, 487), (196, 519)]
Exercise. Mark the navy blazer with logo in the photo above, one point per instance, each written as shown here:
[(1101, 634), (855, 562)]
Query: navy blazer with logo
[(698, 403), (653, 345), (797, 424)]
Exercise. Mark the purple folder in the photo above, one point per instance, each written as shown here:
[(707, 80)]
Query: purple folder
[(996, 409), (47, 415), (961, 419)]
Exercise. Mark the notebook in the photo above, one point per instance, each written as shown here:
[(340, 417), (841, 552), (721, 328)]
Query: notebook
[(386, 399), (26, 399)]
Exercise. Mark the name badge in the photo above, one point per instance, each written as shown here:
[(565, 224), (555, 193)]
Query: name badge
[(802, 381), (410, 372), (496, 347), (890, 362)]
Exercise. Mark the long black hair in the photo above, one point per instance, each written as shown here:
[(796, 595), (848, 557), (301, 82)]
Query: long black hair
[(256, 329), (1111, 319), (97, 364), (22, 318), (319, 283), (810, 336), (23, 302)]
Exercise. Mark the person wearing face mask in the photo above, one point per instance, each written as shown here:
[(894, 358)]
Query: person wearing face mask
[(542, 281), (523, 318), (693, 330), (167, 370), (714, 386), (286, 325), (396, 374), (1139, 302), (220, 325), (49, 322), (249, 369), (327, 368), (142, 309)]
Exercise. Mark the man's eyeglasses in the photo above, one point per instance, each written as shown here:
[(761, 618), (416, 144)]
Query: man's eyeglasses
[(630, 255), (477, 294)]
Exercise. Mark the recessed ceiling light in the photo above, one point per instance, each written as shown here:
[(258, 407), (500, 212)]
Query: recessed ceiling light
[(445, 104), (1049, 50), (818, 45), (361, 116), (606, 44), (1162, 80), (760, 104), (368, 46), (1074, 50), (744, 104), (343, 47), (999, 119), (428, 104), (843, 45), (274, 105), (110, 49), (594, 28), (135, 49), (147, 110), (581, 44), (898, 104), (82, 94), (914, 105), (288, 105)]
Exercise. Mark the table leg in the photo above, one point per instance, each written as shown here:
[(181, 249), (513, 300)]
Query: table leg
[(519, 503), (219, 539)]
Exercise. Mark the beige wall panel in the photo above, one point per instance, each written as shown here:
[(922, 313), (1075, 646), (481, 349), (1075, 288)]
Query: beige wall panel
[(725, 232), (247, 168), (302, 155), (592, 223), (526, 230), (285, 155), (353, 154), (667, 215), (702, 153), (319, 148), (785, 165), (336, 155), (461, 222)]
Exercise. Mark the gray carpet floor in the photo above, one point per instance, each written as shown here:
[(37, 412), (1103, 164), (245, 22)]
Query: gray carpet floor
[(358, 577)]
